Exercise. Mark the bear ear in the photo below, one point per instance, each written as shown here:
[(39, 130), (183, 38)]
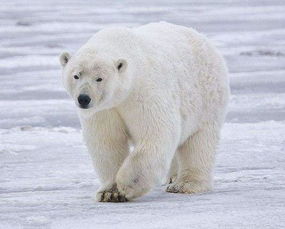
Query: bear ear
[(64, 58), (121, 65)]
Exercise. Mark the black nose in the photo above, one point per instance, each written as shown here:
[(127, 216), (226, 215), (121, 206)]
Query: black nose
[(84, 100)]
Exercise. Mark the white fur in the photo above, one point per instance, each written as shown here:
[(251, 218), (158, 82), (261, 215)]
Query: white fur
[(169, 101)]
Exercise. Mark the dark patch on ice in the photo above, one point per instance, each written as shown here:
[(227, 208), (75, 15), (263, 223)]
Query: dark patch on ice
[(23, 23), (232, 170), (53, 45), (262, 53)]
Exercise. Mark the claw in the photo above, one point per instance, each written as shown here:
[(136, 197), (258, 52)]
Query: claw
[(112, 195)]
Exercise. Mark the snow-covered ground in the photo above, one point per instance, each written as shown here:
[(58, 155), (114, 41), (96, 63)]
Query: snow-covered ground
[(46, 176)]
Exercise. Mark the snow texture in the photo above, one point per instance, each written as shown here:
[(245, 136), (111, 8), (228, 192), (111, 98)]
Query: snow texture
[(46, 175)]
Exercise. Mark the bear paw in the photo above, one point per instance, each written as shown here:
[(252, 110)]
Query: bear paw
[(188, 187), (110, 195), (132, 189)]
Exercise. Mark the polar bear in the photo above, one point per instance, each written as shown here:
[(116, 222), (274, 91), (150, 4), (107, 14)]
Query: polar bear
[(151, 102)]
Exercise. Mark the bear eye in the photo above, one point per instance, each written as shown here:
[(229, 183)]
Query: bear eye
[(76, 77), (99, 79), (120, 66)]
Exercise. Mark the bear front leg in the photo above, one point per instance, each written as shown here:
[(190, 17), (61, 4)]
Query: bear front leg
[(146, 165), (107, 144)]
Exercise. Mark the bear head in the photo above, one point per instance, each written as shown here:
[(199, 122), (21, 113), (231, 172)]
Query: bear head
[(95, 82)]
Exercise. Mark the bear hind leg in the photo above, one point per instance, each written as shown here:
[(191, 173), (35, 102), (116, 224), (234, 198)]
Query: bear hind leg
[(195, 159)]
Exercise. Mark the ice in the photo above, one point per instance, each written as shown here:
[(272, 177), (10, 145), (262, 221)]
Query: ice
[(46, 175)]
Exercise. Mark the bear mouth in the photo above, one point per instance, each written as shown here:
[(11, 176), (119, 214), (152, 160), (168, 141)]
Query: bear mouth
[(83, 106)]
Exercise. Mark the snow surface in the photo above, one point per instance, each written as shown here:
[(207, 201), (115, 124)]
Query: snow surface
[(46, 175)]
